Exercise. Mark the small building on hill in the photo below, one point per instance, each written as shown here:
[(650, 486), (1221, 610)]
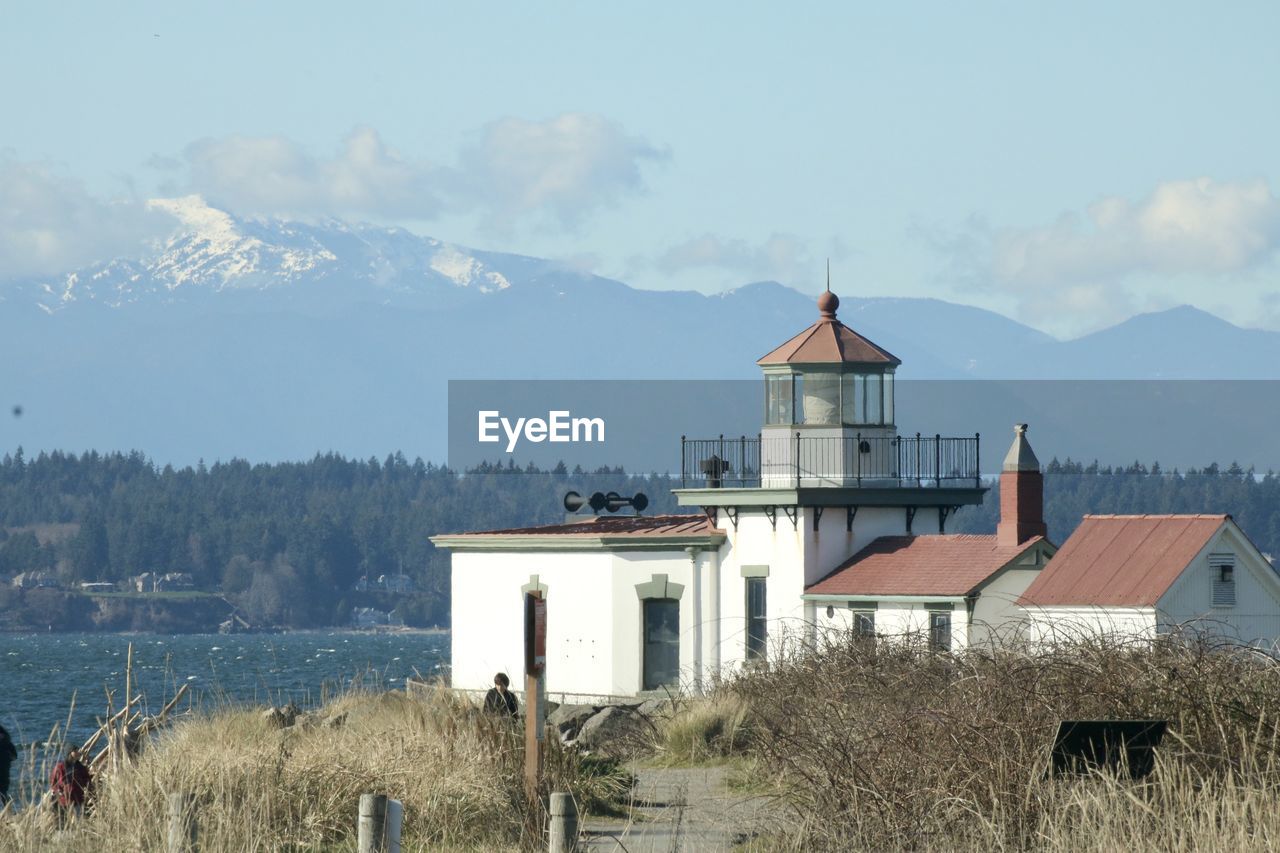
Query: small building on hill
[(35, 580), (1141, 575)]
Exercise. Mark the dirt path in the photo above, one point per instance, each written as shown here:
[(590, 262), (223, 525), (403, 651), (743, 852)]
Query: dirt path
[(682, 808)]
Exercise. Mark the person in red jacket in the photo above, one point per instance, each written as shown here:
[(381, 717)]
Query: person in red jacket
[(71, 784)]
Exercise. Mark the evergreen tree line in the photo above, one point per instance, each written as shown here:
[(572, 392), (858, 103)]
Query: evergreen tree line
[(288, 541), (1072, 489)]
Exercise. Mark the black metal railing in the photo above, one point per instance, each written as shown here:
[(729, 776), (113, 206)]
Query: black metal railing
[(798, 460)]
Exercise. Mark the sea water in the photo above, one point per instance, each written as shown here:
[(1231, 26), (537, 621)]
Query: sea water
[(41, 674)]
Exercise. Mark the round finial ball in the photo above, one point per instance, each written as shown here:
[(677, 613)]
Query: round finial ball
[(828, 302)]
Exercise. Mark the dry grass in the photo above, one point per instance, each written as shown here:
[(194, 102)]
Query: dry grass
[(893, 747), (704, 732), (261, 788)]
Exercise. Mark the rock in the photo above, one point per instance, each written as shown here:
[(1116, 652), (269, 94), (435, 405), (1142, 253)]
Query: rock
[(568, 719), (336, 721), (655, 708), (289, 714), (282, 717), (617, 730)]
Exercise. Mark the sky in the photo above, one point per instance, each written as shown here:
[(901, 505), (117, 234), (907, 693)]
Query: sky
[(1067, 165)]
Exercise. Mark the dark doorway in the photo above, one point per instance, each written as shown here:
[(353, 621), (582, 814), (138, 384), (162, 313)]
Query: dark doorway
[(661, 643)]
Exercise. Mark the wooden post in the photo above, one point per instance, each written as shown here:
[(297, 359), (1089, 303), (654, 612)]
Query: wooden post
[(535, 658), (372, 826), (564, 824), (532, 742), (183, 828)]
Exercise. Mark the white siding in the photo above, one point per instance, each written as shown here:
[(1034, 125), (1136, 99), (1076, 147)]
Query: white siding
[(895, 618), (796, 556), (1254, 618), (1066, 624), (593, 617)]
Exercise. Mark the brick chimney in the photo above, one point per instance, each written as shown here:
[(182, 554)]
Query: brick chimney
[(1021, 494)]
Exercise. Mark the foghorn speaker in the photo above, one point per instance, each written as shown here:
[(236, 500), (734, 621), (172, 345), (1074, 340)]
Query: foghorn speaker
[(573, 502)]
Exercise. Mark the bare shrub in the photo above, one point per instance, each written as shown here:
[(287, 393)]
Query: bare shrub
[(893, 746)]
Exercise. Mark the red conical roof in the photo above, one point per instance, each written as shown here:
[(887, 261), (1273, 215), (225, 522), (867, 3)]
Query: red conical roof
[(830, 341)]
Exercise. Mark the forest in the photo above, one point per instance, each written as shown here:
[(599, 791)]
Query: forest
[(287, 542)]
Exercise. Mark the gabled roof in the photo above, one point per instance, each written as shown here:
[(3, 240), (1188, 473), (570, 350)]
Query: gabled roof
[(1122, 560), (829, 341), (944, 565), (594, 532)]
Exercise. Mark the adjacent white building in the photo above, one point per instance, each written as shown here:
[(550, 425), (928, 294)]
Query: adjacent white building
[(1142, 575)]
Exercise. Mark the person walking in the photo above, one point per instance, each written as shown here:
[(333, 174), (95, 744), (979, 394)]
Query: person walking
[(71, 784), (8, 754), (499, 699)]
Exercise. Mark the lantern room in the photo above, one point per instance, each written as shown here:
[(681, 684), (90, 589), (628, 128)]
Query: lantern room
[(829, 376)]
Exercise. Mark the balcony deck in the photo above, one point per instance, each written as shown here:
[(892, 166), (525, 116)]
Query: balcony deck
[(812, 462)]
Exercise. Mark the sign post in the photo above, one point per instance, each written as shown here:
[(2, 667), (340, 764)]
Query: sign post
[(535, 662)]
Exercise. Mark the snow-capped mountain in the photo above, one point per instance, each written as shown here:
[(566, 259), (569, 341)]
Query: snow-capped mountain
[(274, 339), (211, 251)]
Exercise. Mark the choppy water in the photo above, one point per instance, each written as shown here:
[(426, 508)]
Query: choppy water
[(40, 673)]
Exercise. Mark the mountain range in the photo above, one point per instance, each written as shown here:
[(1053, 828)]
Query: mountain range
[(277, 339)]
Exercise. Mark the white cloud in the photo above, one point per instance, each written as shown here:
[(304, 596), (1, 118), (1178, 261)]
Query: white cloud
[(784, 257), (276, 176), (511, 170), (564, 168), (1198, 227), (50, 223)]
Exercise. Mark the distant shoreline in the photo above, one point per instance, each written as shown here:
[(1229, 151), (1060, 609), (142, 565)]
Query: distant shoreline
[(18, 632)]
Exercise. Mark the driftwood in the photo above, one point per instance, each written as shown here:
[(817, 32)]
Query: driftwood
[(124, 729)]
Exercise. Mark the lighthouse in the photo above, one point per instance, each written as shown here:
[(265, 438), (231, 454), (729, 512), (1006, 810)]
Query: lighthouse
[(829, 517)]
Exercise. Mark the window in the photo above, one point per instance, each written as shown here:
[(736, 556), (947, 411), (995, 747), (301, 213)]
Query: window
[(867, 399), (822, 398), (873, 399), (661, 642), (888, 397), (864, 624), (1223, 569), (854, 398), (778, 402), (940, 630), (757, 623), (863, 619)]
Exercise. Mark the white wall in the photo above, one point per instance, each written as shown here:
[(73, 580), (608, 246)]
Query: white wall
[(594, 626), (1255, 617), (1048, 625), (626, 622), (894, 618), (796, 556), (996, 614), (488, 619)]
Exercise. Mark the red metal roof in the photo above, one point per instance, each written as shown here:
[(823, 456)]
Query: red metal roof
[(1121, 560), (829, 341), (950, 564), (625, 526)]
